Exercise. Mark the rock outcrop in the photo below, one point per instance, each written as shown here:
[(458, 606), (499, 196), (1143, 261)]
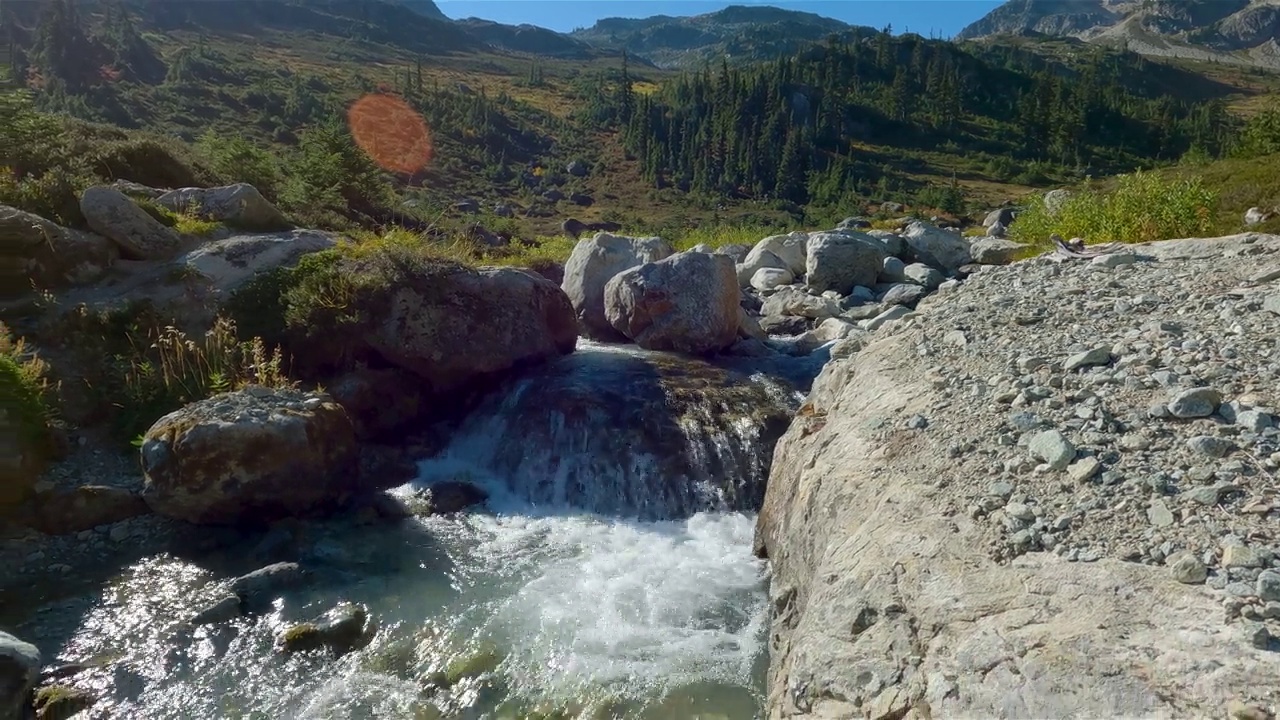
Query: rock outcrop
[(686, 303), (593, 262), (35, 251), (19, 670), (841, 261), (946, 251), (250, 456), (227, 263), (240, 206), (140, 237), (1050, 494)]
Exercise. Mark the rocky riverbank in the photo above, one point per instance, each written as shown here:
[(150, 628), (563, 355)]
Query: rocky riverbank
[(1050, 492)]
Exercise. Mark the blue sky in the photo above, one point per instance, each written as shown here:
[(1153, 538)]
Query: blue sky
[(939, 17)]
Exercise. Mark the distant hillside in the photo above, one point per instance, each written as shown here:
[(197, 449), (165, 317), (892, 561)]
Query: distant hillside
[(737, 33), (1236, 31), (527, 39)]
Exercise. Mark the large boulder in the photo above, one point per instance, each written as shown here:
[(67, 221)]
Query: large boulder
[(19, 671), (250, 456), (686, 303), (229, 262), (791, 249), (841, 261), (593, 262), (380, 401), (791, 300), (757, 261), (240, 206), (944, 250), (994, 251), (112, 214), (1000, 216), (35, 251), (736, 251), (457, 324)]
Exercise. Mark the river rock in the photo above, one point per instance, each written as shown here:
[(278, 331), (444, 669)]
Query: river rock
[(922, 275), (686, 303), (447, 497), (240, 206), (266, 583), (994, 250), (841, 261), (61, 702), (792, 300), (791, 249), (750, 266), (1195, 403), (492, 320), (59, 512), (770, 278), (253, 455), (19, 670), (938, 248), (593, 262), (893, 243), (737, 251), (229, 262), (344, 629), (35, 251), (380, 401), (139, 236), (783, 324)]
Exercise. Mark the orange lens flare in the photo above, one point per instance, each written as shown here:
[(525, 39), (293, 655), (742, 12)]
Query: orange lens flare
[(391, 133)]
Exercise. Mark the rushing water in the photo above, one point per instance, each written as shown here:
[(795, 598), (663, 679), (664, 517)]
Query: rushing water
[(610, 574)]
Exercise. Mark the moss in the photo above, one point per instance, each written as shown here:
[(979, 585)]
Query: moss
[(60, 702), (301, 638)]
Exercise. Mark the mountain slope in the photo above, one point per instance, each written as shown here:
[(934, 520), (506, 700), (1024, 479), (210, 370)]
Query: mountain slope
[(737, 32), (1238, 31)]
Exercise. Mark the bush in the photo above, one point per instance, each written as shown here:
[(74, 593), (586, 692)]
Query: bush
[(24, 390), (1142, 207)]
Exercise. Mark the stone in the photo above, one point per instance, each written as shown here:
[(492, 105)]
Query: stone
[(1055, 200), (790, 250), (1158, 514), (342, 630), (1268, 586), (1089, 358), (1271, 304), (794, 301), (61, 702), (922, 275), (1114, 260), (230, 262), (1256, 216), (1242, 556), (994, 250), (447, 498), (686, 303), (593, 262), (770, 278), (62, 512), (19, 671), (1084, 469), (1053, 448), (840, 261), (1208, 445), (37, 254), (138, 235), (263, 585), (1197, 402), (1186, 568), (224, 610), (896, 312), (892, 242), (240, 206), (1254, 420), (254, 455), (749, 327), (903, 294), (380, 401), (784, 324), (893, 270), (936, 247), (736, 251)]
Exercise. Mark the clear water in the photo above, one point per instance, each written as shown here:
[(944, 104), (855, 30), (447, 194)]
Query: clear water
[(562, 612)]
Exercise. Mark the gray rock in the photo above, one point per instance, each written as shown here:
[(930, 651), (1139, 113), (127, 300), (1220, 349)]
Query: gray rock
[(791, 250), (593, 263), (1235, 555), (1253, 420), (1271, 304), (264, 584), (784, 324), (1084, 469), (1053, 448), (1001, 216), (1214, 447), (228, 608), (1186, 568), (685, 303), (894, 270), (841, 261), (1195, 403), (44, 254), (770, 278), (1208, 496), (1158, 514), (922, 275), (230, 262), (1089, 358), (936, 247), (240, 206), (892, 242), (903, 294), (19, 671), (793, 301), (894, 313), (994, 250), (114, 216), (1114, 260), (734, 250), (1268, 586)]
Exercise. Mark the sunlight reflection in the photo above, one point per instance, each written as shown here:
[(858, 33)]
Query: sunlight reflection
[(393, 134)]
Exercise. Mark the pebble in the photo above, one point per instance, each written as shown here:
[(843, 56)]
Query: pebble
[(1089, 358), (1158, 513), (1053, 448), (1197, 402), (1084, 469), (1268, 586), (1214, 447), (1241, 556), (1187, 568)]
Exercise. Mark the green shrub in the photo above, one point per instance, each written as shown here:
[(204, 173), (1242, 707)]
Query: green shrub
[(24, 390), (1142, 207), (237, 158)]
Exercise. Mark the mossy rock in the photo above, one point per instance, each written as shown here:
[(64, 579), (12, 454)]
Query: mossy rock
[(482, 661), (303, 637), (60, 702), (342, 630)]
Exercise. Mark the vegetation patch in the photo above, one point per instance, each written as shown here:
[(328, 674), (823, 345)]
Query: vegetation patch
[(24, 397), (1141, 207)]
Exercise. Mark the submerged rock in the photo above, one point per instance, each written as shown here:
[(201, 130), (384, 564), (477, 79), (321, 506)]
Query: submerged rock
[(344, 629), (264, 584), (254, 455)]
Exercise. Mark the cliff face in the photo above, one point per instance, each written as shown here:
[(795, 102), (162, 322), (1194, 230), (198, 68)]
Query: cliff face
[(982, 513), (1160, 27)]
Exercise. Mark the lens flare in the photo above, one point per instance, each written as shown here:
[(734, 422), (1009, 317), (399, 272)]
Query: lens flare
[(393, 134)]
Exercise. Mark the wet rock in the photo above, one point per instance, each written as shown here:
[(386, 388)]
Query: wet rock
[(61, 702), (593, 262), (238, 457), (446, 498), (344, 629), (264, 584), (686, 303), (240, 206), (19, 670), (138, 235), (60, 512), (228, 608)]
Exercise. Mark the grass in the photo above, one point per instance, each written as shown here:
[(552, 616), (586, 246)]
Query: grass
[(1141, 207), (24, 403), (1240, 183), (186, 223)]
